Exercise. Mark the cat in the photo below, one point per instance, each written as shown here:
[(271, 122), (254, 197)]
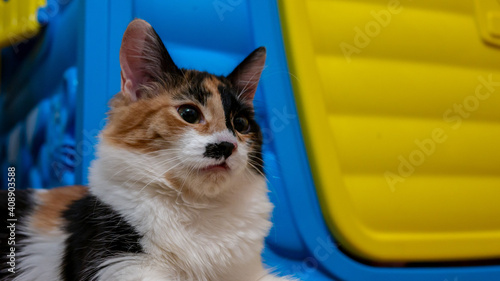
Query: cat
[(176, 192)]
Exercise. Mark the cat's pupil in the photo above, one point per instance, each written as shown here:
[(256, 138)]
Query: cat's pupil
[(241, 124), (189, 113)]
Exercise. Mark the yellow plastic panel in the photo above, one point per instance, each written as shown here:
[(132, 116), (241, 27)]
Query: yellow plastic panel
[(488, 15), (18, 20), (400, 109)]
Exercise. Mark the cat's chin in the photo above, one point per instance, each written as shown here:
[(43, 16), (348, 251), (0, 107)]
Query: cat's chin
[(210, 182)]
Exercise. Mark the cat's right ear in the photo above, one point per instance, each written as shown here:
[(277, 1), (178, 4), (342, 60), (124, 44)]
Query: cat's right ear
[(143, 59), (246, 75)]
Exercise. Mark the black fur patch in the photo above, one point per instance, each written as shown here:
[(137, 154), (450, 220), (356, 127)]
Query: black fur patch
[(24, 205), (234, 107), (97, 233)]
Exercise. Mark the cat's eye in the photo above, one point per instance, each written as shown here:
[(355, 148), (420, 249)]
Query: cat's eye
[(190, 113), (241, 124)]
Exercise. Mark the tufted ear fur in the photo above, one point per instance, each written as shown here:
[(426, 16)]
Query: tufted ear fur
[(143, 59), (246, 75)]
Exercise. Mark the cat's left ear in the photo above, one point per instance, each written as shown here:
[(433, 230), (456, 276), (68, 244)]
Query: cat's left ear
[(246, 75), (143, 59)]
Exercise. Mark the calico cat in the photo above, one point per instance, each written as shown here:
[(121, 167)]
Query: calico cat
[(177, 190)]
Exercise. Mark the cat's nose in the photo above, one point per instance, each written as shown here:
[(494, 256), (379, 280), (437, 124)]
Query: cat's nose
[(219, 150), (226, 148)]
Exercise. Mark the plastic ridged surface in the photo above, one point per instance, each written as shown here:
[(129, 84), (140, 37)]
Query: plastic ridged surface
[(401, 125)]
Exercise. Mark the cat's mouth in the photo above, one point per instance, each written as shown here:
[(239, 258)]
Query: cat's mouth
[(216, 168)]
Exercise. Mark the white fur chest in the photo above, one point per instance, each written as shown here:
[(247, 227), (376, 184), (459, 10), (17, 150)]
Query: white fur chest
[(221, 240), (207, 243)]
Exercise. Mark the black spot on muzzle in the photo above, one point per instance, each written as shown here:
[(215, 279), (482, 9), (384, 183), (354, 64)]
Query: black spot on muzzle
[(219, 150)]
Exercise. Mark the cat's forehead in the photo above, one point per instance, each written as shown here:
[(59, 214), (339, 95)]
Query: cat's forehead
[(199, 86), (203, 87)]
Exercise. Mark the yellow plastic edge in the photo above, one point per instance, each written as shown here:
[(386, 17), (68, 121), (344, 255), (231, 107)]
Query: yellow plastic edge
[(308, 95)]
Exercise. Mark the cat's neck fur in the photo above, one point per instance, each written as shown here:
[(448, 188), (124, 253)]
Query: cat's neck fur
[(223, 231)]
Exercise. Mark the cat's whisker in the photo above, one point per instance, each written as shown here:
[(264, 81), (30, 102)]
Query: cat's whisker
[(243, 91), (250, 175), (255, 159), (254, 81), (184, 182), (256, 169), (147, 172), (162, 152), (142, 161), (146, 157), (161, 175)]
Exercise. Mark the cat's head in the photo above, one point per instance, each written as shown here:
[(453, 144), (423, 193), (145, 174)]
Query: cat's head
[(191, 131)]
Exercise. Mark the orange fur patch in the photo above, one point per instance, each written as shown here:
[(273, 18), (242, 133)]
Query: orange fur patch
[(52, 203), (153, 123), (145, 125)]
